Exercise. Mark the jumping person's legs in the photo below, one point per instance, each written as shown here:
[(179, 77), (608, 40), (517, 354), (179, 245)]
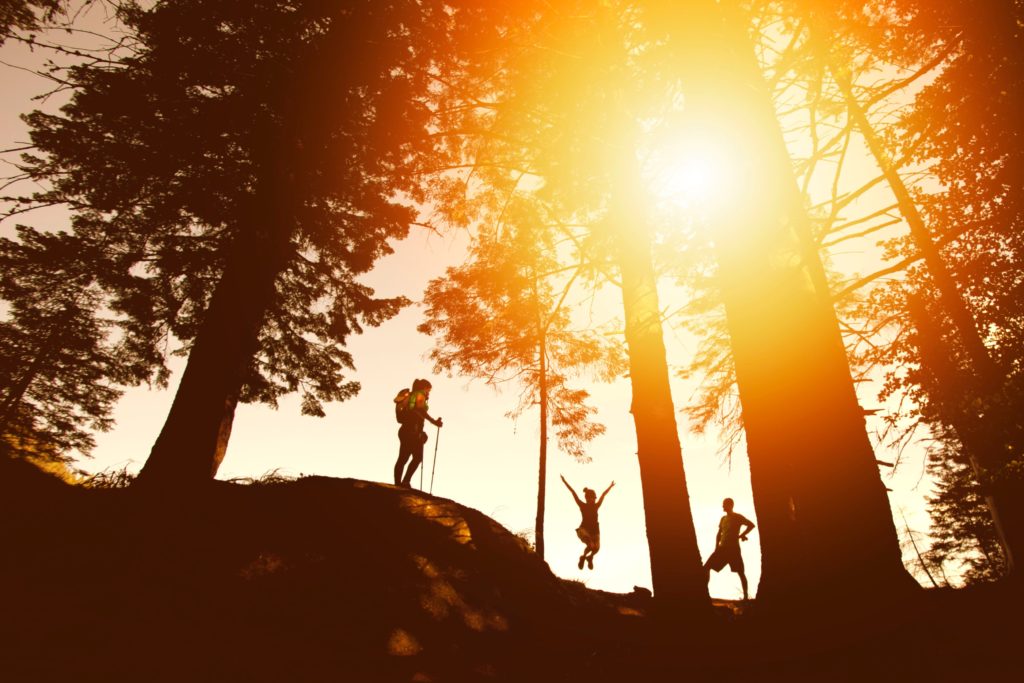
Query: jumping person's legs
[(592, 548)]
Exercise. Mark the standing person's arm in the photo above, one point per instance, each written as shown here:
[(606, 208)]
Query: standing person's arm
[(437, 423), (750, 527), (575, 497), (421, 410), (601, 499)]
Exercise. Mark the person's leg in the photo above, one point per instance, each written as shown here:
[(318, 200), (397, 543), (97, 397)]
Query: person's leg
[(743, 582), (592, 548), (404, 452), (417, 458)]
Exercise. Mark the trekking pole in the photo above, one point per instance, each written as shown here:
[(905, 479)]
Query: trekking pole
[(433, 467)]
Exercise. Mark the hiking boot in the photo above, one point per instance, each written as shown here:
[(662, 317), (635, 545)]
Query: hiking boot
[(583, 559), (590, 563)]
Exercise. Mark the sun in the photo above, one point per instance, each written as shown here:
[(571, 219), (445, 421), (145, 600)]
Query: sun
[(690, 173)]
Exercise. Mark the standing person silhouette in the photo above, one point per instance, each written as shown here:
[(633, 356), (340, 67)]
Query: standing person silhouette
[(411, 436), (727, 544), (589, 530)]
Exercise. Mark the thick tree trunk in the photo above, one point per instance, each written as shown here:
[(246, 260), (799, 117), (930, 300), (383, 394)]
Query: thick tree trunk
[(192, 443), (824, 517), (679, 580), (986, 379)]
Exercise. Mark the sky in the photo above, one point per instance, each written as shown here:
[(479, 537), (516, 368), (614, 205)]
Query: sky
[(483, 460)]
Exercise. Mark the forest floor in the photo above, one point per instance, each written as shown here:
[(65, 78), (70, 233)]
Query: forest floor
[(346, 580)]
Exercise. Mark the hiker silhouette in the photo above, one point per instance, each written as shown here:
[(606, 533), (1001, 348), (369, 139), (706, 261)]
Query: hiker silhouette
[(727, 544), (411, 412), (589, 530)]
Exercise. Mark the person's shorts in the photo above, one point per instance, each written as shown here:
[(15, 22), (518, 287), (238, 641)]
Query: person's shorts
[(726, 555), (592, 539)]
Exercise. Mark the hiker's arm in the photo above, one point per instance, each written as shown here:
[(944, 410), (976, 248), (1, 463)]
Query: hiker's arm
[(601, 499), (575, 497), (750, 527), (426, 416)]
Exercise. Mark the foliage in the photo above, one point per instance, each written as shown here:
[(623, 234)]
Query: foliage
[(962, 530), (60, 363), (162, 153), (25, 14), (495, 315)]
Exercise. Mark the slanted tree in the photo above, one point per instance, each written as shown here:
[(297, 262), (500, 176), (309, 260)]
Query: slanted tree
[(505, 316), (248, 162), (956, 261)]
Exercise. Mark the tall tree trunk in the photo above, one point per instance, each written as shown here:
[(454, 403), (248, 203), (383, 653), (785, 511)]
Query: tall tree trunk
[(817, 490), (679, 580), (542, 390), (985, 379), (194, 438)]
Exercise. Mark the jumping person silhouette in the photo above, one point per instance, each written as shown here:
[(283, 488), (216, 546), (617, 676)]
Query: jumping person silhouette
[(727, 544), (411, 436), (589, 530)]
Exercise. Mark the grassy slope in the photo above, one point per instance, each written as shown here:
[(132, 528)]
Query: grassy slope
[(330, 579)]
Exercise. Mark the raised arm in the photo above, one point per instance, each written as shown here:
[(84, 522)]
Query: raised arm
[(601, 499), (575, 497)]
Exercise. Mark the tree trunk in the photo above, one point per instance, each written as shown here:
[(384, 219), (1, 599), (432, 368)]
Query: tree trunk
[(986, 378), (824, 518), (679, 580), (542, 390), (192, 443)]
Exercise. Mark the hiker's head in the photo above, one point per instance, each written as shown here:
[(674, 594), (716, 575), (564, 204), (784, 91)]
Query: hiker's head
[(426, 386), (727, 504), (420, 385), (589, 495)]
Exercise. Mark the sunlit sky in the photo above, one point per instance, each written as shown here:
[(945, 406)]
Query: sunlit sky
[(484, 460)]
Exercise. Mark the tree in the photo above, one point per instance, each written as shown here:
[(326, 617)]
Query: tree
[(962, 530), (796, 391), (560, 106), (60, 363), (957, 258), (503, 316), (249, 162)]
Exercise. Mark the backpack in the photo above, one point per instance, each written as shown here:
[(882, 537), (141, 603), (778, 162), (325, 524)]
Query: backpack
[(402, 411)]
